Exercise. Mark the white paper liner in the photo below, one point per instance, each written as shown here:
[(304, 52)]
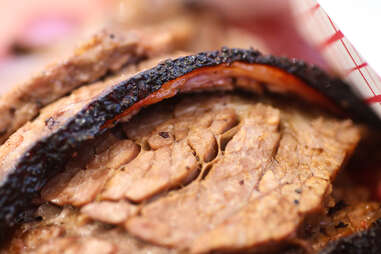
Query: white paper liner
[(340, 54)]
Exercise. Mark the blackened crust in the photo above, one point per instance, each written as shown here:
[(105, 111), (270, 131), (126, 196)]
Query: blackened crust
[(47, 157), (365, 242)]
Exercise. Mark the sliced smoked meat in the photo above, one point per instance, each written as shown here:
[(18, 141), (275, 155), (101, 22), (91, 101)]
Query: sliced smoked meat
[(269, 168), (41, 148)]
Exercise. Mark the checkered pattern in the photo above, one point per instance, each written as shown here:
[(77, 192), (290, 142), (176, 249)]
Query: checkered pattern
[(339, 53)]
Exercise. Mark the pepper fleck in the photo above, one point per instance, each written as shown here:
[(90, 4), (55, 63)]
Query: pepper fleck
[(341, 225), (12, 110), (164, 134), (50, 122)]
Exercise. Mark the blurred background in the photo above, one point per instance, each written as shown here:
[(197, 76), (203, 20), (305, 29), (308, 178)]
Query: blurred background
[(35, 33)]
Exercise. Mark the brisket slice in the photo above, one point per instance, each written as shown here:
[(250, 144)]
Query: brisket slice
[(201, 173), (41, 148), (106, 51)]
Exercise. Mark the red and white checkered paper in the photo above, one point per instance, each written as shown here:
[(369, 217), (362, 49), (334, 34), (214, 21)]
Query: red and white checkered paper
[(338, 51)]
